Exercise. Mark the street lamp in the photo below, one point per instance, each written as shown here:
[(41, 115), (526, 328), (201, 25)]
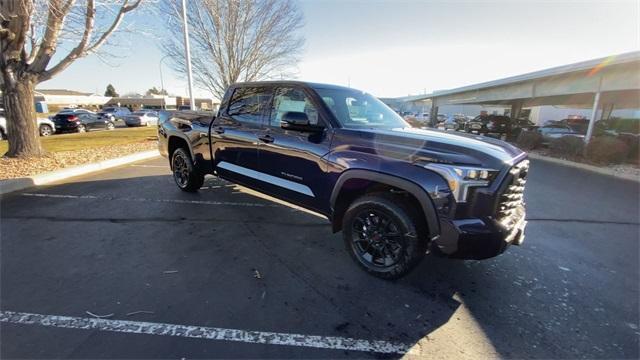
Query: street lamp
[(162, 81), (187, 54)]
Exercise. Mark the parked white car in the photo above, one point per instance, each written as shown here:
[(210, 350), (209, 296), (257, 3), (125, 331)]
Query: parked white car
[(46, 127), (142, 118)]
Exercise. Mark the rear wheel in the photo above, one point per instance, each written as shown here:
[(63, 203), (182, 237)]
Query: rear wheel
[(110, 126), (186, 175), (82, 128), (384, 235)]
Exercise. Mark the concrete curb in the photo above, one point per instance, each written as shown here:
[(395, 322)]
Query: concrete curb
[(11, 185), (587, 167)]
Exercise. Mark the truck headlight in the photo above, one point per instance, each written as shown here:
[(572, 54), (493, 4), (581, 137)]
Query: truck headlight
[(461, 178)]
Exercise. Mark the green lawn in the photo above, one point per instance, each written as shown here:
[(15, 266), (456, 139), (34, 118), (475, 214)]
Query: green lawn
[(69, 142)]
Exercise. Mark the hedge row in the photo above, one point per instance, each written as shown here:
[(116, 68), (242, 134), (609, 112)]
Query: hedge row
[(601, 150)]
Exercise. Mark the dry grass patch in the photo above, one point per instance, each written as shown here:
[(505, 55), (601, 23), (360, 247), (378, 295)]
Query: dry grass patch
[(76, 149)]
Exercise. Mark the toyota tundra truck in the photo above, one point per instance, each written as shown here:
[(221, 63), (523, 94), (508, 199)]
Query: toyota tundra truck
[(395, 192)]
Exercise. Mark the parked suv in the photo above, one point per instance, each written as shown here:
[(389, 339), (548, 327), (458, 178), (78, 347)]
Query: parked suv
[(396, 192), (45, 126), (114, 113)]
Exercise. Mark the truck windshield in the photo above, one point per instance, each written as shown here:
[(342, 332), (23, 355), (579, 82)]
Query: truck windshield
[(357, 109)]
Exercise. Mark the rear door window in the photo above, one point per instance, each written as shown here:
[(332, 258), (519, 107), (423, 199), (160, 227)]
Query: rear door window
[(248, 104)]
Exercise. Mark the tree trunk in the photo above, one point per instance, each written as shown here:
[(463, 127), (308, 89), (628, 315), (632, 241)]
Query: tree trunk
[(22, 128)]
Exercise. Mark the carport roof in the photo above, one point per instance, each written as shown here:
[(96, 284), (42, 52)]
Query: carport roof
[(60, 92), (591, 65)]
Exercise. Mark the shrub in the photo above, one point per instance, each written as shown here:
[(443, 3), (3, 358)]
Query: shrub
[(607, 150), (529, 140), (567, 146), (413, 122), (633, 142)]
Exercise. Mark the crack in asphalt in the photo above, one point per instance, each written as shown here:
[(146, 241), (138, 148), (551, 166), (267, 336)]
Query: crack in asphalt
[(158, 219)]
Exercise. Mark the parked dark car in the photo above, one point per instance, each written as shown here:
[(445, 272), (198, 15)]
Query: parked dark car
[(578, 125), (81, 122), (556, 131), (394, 191), (114, 113), (489, 124)]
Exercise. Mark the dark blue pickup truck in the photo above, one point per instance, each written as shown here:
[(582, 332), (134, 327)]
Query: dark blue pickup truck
[(396, 192)]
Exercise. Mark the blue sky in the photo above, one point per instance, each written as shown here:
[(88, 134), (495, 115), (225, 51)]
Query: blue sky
[(395, 48)]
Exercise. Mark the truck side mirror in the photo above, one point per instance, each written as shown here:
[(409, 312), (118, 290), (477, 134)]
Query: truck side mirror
[(298, 121)]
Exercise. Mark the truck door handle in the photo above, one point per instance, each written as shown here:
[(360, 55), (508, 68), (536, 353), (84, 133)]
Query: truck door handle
[(266, 138), (219, 130)]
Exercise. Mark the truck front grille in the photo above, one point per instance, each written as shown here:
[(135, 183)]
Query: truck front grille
[(511, 203)]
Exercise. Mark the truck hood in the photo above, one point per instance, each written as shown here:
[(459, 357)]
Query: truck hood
[(432, 146)]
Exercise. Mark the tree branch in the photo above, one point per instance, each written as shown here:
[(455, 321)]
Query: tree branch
[(80, 49), (83, 48), (34, 45), (116, 22), (55, 20)]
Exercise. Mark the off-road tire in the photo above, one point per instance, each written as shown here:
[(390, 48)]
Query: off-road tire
[(185, 174), (412, 230)]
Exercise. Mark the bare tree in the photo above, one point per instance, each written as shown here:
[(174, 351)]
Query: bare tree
[(234, 40), (31, 31)]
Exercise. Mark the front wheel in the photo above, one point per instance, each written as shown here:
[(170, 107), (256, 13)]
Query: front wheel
[(45, 130), (186, 175), (110, 126), (383, 234)]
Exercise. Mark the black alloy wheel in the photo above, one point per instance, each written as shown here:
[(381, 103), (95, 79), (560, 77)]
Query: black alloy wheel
[(185, 174), (376, 238), (384, 234)]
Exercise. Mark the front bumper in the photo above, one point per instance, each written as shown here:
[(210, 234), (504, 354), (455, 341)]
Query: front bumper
[(477, 238)]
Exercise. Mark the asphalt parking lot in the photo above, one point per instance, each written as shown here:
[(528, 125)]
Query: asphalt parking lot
[(215, 274)]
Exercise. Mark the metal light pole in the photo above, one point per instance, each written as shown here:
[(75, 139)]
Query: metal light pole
[(594, 112), (162, 81), (192, 102)]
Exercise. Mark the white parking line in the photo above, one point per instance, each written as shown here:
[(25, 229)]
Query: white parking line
[(61, 196), (208, 333), (177, 201)]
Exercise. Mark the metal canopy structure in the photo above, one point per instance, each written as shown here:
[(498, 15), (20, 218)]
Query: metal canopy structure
[(602, 84)]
